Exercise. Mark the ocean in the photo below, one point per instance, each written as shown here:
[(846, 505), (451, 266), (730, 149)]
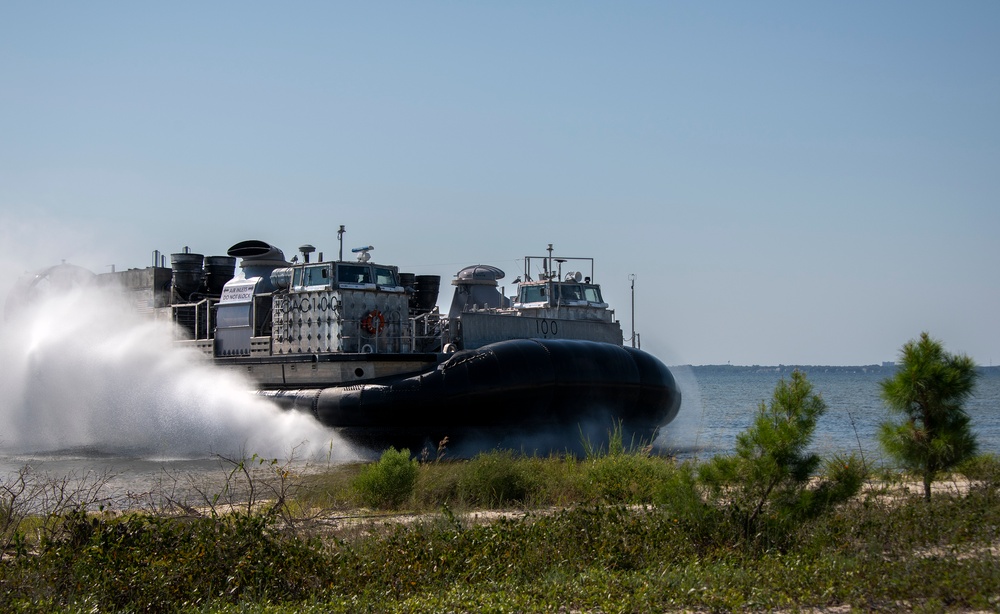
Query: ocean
[(720, 401), (91, 386)]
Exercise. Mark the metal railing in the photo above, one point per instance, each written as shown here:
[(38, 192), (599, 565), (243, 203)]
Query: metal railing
[(196, 319)]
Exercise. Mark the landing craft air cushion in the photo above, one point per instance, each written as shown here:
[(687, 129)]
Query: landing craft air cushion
[(364, 348)]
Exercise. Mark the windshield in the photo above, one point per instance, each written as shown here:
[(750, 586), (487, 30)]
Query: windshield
[(533, 294), (354, 274), (385, 276), (592, 294), (570, 292), (316, 276)]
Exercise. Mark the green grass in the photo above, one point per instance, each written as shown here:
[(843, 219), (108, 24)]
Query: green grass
[(618, 531)]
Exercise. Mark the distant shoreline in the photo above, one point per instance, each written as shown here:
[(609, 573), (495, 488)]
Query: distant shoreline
[(886, 368)]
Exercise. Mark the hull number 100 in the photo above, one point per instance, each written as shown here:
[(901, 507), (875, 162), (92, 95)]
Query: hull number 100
[(546, 327)]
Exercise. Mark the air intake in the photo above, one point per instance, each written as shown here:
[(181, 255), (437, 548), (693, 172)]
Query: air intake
[(187, 273), (258, 259)]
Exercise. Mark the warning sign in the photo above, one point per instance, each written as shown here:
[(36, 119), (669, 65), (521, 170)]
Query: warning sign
[(238, 292)]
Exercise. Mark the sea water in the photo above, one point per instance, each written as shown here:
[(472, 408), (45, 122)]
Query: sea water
[(721, 401), (86, 385)]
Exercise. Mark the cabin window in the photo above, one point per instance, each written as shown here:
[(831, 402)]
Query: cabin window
[(297, 278), (317, 276), (570, 292), (532, 294), (592, 294), (385, 276), (353, 274)]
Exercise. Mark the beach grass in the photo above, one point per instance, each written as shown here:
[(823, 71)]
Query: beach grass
[(616, 532)]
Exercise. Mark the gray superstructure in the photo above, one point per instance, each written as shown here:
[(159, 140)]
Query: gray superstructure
[(553, 306)]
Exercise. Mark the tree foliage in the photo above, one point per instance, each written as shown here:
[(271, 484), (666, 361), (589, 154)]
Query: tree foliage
[(929, 392), (767, 482)]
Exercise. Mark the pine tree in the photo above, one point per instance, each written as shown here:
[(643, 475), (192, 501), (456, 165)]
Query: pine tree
[(929, 391), (768, 481)]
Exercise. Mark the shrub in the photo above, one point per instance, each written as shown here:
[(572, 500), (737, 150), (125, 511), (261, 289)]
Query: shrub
[(765, 487), (678, 495), (389, 482), (625, 477), (437, 484), (983, 468), (155, 564), (495, 478)]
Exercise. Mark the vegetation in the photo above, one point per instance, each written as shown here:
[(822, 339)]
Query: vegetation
[(389, 482), (766, 484), (881, 550), (770, 528), (929, 391)]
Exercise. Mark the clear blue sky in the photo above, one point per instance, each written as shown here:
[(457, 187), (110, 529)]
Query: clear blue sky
[(790, 182)]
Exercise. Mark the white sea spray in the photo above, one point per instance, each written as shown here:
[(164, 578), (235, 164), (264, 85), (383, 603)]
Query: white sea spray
[(83, 370)]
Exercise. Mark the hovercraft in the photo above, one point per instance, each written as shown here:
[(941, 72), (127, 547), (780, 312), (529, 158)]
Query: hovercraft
[(364, 348)]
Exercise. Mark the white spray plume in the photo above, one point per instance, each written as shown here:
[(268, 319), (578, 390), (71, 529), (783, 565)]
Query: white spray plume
[(81, 370)]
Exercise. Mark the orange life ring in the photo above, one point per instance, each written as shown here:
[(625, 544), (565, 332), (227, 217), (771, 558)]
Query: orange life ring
[(374, 322)]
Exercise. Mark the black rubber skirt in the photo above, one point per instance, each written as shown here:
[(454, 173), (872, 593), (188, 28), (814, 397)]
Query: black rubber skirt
[(536, 395)]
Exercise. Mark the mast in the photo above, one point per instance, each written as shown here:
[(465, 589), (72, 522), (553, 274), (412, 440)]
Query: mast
[(631, 278)]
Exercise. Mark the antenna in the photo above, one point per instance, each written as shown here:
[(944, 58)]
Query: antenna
[(631, 278), (340, 237)]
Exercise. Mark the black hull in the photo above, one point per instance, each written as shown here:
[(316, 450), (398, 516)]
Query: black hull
[(530, 394)]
